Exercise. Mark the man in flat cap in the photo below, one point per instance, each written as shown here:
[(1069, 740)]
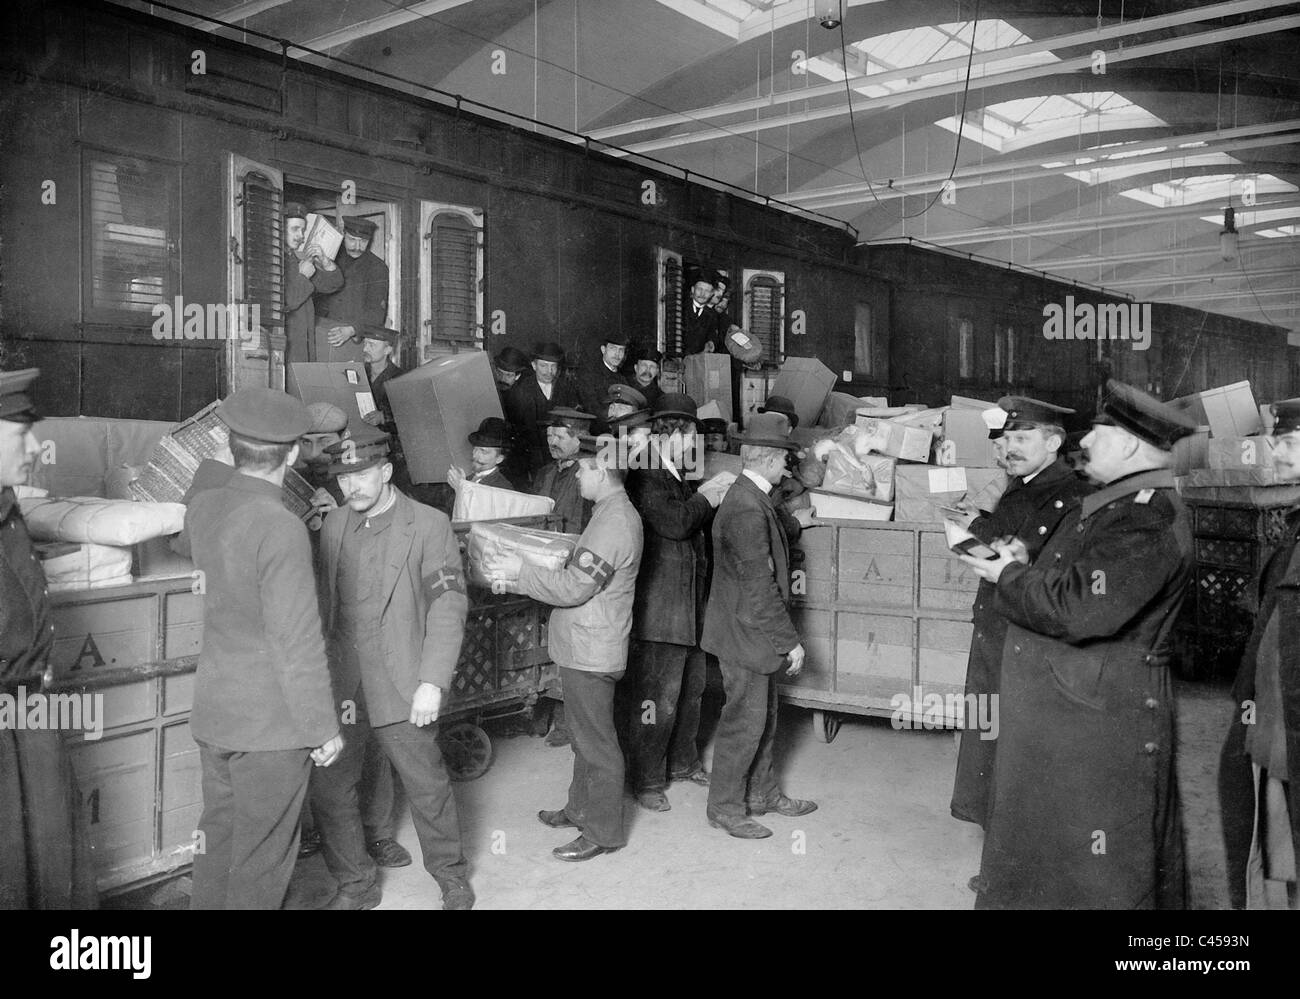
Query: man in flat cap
[(1259, 768), (263, 713), (599, 373), (343, 316), (377, 347), (532, 397), (395, 589), (645, 373), (558, 478), (747, 625), (669, 603), (45, 858), (1041, 492), (1084, 810), (306, 274), (589, 628)]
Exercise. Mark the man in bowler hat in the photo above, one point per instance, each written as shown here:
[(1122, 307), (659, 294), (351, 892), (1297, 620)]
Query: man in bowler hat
[(533, 396)]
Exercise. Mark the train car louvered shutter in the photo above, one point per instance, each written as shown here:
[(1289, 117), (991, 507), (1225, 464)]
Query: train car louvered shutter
[(671, 297), (765, 313), (132, 234), (454, 256), (263, 247)]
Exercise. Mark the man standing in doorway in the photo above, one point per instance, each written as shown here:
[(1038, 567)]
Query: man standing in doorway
[(342, 317), (304, 278)]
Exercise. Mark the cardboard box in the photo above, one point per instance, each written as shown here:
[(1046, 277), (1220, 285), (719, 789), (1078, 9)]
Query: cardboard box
[(754, 386), (831, 506), (1239, 453), (895, 439), (841, 409), (919, 490), (437, 406), (343, 383), (807, 383), (965, 440), (1229, 410), (1192, 451), (963, 402), (707, 378)]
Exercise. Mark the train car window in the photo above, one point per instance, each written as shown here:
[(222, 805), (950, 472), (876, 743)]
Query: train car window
[(131, 237), (863, 340), (965, 349), (764, 315), (451, 276), (1004, 354), (671, 292)]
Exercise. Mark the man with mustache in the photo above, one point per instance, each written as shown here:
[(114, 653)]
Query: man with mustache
[(304, 277), (1042, 490), (532, 397), (396, 609), (1084, 811), (45, 861), (361, 302)]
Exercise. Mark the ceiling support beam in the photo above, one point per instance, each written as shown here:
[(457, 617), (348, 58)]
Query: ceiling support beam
[(1163, 280), (1105, 261), (384, 22)]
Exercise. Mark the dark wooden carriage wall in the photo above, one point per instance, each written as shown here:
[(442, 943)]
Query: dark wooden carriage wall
[(132, 182)]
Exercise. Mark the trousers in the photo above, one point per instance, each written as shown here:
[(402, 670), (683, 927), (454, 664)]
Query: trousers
[(742, 752), (595, 802)]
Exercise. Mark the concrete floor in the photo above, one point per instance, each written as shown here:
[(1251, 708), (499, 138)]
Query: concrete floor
[(882, 837)]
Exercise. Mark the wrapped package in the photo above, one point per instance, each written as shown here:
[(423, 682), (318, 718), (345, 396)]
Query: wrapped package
[(101, 521), (547, 549), (897, 440), (475, 501), (88, 566)]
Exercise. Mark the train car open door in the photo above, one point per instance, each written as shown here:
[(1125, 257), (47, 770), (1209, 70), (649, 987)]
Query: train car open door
[(255, 275), (387, 246)]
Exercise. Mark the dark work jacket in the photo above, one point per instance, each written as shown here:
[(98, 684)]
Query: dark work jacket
[(526, 409), (299, 306), (593, 382), (1031, 512), (361, 302), (709, 327), (747, 621), (1085, 757), (674, 562), (561, 485), (1279, 594), (379, 391)]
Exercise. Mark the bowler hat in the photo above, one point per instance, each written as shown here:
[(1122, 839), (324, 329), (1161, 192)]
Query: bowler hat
[(349, 456), (1286, 417), (713, 425), (265, 414), (492, 432), (1142, 415), (16, 404), (674, 404), (768, 430), (511, 359), (550, 351), (780, 404), (647, 354), (355, 225), (617, 339)]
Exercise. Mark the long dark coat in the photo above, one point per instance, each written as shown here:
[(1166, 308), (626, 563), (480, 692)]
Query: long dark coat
[(1084, 810), (673, 562), (526, 408), (1031, 512)]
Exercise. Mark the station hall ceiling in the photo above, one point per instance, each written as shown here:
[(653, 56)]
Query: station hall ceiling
[(1099, 142)]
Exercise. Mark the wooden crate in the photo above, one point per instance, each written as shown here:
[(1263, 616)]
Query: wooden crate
[(117, 778)]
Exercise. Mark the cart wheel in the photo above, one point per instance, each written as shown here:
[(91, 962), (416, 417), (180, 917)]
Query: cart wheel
[(466, 749), (826, 726)]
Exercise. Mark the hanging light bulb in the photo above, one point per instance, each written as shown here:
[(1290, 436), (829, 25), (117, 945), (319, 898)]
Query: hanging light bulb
[(828, 13), (1228, 237)]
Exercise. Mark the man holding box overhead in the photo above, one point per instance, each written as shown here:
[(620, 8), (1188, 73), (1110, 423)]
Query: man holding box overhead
[(589, 631), (44, 848), (304, 278), (395, 593), (1084, 810), (1042, 491)]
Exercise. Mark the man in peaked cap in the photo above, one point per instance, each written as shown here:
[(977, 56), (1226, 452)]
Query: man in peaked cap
[(747, 625), (1085, 759), (396, 608), (45, 860), (533, 396), (363, 300), (564, 428), (377, 346), (263, 712), (306, 274), (1041, 492), (621, 399), (1259, 768)]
